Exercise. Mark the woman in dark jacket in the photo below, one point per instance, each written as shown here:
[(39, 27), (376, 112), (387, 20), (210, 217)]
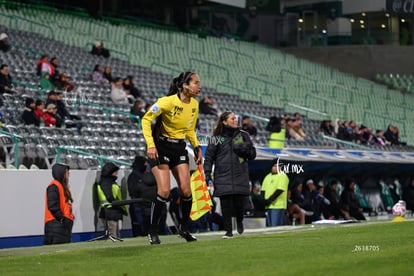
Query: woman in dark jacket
[(229, 150)]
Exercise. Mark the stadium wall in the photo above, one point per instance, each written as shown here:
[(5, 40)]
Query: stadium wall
[(22, 205), (360, 60)]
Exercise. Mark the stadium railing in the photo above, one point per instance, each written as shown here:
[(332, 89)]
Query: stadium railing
[(15, 148), (100, 158)]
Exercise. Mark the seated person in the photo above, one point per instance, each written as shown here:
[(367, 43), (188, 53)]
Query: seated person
[(99, 50), (51, 117), (97, 75), (129, 85), (6, 84), (63, 83), (350, 202), (4, 42), (207, 106), (118, 94), (248, 126), (40, 110), (138, 108), (29, 117)]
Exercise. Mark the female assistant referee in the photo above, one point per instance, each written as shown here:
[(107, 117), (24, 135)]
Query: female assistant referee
[(176, 117)]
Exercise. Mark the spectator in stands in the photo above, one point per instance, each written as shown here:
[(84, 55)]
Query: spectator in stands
[(349, 200), (70, 120), (44, 66), (6, 85), (54, 62), (97, 75), (99, 50), (118, 94), (274, 191), (138, 108), (379, 138), (29, 116), (207, 106), (248, 126), (327, 128), (63, 84), (231, 185), (107, 74), (45, 82), (298, 118), (129, 85), (334, 210), (4, 42), (392, 135), (340, 129), (364, 136), (408, 195), (40, 110), (294, 131), (51, 117), (277, 132), (350, 133), (58, 208)]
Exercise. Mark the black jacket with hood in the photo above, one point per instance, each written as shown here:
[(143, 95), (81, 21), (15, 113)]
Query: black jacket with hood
[(229, 153), (106, 182), (142, 184)]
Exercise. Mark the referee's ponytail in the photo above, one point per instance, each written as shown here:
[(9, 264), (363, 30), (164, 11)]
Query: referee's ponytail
[(178, 82)]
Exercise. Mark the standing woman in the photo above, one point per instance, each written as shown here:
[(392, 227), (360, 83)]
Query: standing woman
[(176, 116), (58, 207), (228, 150)]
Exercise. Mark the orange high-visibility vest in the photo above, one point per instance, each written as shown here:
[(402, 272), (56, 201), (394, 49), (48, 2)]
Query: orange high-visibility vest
[(65, 207)]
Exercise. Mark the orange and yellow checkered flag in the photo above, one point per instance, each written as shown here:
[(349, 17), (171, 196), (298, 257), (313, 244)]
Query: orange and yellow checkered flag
[(201, 197)]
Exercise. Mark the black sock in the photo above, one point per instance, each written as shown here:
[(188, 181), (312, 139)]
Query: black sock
[(186, 203), (156, 211)]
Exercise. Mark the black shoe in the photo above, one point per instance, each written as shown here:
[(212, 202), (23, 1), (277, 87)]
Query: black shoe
[(154, 239), (228, 235), (187, 236), (240, 227)]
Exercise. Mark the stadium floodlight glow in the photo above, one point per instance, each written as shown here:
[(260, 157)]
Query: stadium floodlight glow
[(402, 20), (300, 20), (361, 21), (352, 20), (324, 31), (363, 14), (383, 26), (387, 15), (362, 26)]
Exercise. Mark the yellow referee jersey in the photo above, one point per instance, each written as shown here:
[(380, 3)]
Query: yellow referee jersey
[(178, 119)]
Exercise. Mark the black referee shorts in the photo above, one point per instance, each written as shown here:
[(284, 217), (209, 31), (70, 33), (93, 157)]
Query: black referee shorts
[(171, 154)]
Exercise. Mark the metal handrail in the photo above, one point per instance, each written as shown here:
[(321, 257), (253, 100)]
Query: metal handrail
[(16, 146), (99, 157)]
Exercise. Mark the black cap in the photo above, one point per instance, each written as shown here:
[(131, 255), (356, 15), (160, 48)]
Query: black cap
[(276, 161)]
